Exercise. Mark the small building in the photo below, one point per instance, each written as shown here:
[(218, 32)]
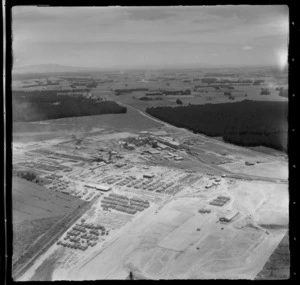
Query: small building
[(178, 158), (154, 151), (162, 146), (148, 175), (229, 216), (120, 164), (129, 146), (169, 142), (98, 187)]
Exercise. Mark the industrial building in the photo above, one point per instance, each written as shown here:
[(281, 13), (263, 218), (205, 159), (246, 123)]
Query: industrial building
[(162, 146), (169, 142)]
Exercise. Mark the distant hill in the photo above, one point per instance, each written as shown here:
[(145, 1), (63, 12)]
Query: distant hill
[(49, 68)]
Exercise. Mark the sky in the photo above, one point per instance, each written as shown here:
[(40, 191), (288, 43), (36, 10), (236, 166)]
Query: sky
[(151, 37)]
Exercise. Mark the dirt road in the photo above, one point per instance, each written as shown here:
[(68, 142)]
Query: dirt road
[(214, 167)]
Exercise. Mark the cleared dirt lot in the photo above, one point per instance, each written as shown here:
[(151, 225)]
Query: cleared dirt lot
[(270, 169), (168, 244)]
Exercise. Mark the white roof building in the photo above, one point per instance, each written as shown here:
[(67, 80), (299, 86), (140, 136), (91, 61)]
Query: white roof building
[(178, 158), (229, 216), (99, 187)]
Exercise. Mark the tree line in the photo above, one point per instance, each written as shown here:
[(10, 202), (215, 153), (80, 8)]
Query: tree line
[(46, 105), (246, 123)]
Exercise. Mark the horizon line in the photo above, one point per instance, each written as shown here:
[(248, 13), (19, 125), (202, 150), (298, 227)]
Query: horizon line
[(154, 67)]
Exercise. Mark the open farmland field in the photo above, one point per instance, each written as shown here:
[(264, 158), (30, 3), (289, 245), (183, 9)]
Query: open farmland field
[(33, 106), (35, 210), (161, 80), (33, 202), (278, 266), (142, 105), (132, 120)]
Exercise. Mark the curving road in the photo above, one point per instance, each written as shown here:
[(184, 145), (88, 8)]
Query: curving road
[(214, 167)]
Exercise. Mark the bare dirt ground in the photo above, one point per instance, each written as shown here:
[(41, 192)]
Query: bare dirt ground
[(270, 169), (168, 244)]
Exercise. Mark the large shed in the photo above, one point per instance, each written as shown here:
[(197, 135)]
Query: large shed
[(229, 216)]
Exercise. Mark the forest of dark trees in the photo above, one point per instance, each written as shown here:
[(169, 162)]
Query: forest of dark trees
[(149, 98), (29, 106), (213, 80), (87, 84), (283, 92), (246, 123), (38, 84)]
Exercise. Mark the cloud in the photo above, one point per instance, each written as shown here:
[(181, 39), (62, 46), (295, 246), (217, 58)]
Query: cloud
[(108, 35), (247, 47), (34, 15)]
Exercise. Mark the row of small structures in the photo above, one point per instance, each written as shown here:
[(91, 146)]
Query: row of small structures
[(152, 185), (65, 188), (204, 211), (48, 166), (83, 235), (124, 204), (219, 201), (145, 183)]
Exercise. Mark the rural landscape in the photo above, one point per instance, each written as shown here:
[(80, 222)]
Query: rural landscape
[(149, 173)]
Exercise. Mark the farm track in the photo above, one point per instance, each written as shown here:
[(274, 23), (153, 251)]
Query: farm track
[(46, 240)]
